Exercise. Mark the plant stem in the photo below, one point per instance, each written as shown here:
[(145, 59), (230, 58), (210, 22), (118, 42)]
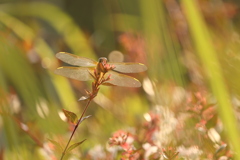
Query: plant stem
[(80, 119), (95, 88)]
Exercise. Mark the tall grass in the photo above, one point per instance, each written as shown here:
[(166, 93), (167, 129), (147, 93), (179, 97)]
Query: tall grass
[(213, 70)]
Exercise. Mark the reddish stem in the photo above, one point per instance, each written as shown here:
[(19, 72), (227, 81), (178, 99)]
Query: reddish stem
[(75, 128), (95, 88)]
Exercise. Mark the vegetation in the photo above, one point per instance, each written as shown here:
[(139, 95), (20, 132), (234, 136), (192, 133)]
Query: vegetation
[(187, 107)]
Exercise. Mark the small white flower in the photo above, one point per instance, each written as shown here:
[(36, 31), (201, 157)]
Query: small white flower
[(97, 152)]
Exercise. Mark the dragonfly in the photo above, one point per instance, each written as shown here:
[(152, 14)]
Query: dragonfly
[(84, 69)]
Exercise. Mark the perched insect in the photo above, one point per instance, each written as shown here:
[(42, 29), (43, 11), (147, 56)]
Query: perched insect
[(89, 69)]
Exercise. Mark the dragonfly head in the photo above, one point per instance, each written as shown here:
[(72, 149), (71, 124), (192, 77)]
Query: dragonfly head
[(102, 60), (103, 65)]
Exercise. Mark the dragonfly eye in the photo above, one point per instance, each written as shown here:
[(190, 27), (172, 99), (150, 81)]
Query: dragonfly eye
[(102, 60)]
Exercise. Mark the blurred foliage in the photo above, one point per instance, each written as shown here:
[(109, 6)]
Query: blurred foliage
[(191, 49)]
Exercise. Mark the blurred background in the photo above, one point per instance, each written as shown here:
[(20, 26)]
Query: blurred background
[(191, 49)]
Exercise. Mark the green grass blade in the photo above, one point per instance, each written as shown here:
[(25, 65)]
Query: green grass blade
[(25, 33), (208, 57), (59, 20)]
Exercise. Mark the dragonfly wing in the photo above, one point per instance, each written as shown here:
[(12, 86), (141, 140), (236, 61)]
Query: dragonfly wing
[(122, 80), (75, 60), (129, 67), (78, 73)]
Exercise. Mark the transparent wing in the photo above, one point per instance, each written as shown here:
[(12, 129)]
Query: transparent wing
[(78, 73), (129, 67), (75, 60), (122, 80)]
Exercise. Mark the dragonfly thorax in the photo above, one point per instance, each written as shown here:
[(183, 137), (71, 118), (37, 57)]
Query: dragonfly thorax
[(102, 61), (103, 66)]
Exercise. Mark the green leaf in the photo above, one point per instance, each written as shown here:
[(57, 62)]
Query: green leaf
[(56, 144), (74, 145), (72, 117)]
